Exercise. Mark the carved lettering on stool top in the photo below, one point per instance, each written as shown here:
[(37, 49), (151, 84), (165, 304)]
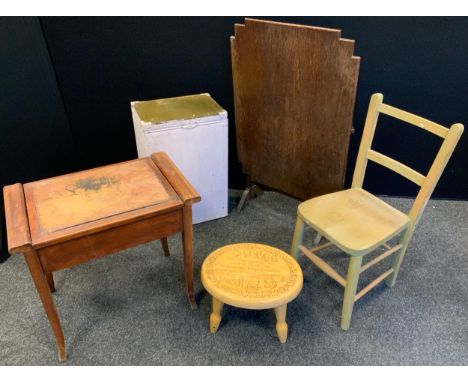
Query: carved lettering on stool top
[(252, 275)]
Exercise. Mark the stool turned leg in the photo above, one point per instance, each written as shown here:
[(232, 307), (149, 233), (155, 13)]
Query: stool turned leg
[(215, 316), (281, 325), (50, 281), (165, 247)]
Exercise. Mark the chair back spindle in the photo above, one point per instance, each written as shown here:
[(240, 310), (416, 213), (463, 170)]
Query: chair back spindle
[(427, 182)]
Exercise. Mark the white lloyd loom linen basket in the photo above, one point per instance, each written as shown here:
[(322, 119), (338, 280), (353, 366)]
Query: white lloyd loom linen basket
[(193, 131)]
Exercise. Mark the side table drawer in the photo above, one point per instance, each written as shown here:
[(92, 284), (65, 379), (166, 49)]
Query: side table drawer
[(93, 246)]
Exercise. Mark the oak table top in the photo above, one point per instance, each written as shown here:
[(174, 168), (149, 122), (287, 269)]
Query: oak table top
[(294, 88)]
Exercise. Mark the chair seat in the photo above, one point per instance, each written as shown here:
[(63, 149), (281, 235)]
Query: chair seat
[(353, 219)]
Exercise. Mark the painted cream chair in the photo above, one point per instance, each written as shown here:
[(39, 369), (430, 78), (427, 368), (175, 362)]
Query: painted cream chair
[(358, 222)]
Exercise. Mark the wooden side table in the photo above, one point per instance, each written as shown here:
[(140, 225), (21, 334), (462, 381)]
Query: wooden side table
[(252, 276), (67, 220)]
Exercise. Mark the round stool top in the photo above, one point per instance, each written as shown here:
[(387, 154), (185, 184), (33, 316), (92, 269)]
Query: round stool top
[(254, 276)]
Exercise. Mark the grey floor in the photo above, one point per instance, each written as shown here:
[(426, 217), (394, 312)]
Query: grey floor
[(130, 309)]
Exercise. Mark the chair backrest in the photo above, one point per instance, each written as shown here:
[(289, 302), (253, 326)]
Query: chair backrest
[(427, 183)]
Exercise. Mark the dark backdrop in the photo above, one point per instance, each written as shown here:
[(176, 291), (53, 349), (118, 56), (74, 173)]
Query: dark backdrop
[(35, 137), (67, 84)]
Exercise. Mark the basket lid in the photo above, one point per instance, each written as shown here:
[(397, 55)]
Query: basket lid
[(177, 108)]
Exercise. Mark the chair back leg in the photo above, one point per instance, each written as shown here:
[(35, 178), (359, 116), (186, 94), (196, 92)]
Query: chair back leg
[(354, 269), (298, 237), (391, 279)]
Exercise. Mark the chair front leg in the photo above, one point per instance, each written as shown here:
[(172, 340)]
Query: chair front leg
[(352, 279), (298, 237)]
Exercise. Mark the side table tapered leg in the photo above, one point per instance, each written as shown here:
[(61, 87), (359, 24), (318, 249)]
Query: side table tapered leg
[(187, 237), (215, 317), (43, 288), (165, 247), (50, 281), (281, 325)]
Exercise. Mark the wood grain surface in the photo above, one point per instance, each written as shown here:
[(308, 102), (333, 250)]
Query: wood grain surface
[(178, 181), (71, 205), (353, 219), (294, 90)]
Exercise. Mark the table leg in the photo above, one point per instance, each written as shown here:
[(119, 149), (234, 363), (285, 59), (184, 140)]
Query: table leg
[(281, 325), (165, 246), (42, 286), (50, 281), (187, 237), (215, 316)]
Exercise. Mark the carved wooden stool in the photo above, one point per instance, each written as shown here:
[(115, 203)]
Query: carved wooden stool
[(251, 276), (67, 220)]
